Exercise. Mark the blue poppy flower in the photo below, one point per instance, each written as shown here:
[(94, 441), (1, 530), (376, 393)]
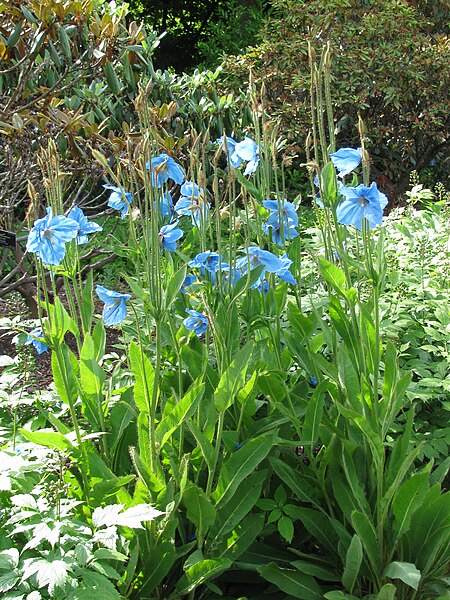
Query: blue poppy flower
[(238, 152), (119, 200), (115, 310), (168, 236), (197, 322), (192, 203), (361, 202), (283, 209), (164, 205), (188, 280), (163, 168), (209, 261), (85, 226), (281, 212), (229, 147), (346, 160), (284, 272), (256, 257), (48, 237), (34, 338), (248, 150)]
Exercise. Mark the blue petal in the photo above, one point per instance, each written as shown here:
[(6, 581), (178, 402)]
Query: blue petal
[(346, 160)]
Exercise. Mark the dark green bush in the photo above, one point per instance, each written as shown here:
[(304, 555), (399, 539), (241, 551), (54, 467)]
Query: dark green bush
[(390, 63)]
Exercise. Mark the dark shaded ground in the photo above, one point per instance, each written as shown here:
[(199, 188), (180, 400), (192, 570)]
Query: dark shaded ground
[(41, 363)]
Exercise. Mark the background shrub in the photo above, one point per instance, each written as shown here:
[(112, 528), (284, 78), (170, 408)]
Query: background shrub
[(390, 64)]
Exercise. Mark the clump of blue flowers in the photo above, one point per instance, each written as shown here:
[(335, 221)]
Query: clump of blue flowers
[(48, 237), (115, 309)]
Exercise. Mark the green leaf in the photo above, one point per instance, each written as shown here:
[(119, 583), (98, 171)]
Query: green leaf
[(291, 582), (353, 561), (49, 439), (286, 528), (8, 580), (236, 509), (9, 559), (92, 379), (111, 78), (387, 592), (233, 379), (201, 572), (157, 566), (199, 509), (65, 374), (145, 377), (303, 326), (179, 413), (243, 535), (338, 595), (313, 415), (333, 275), (407, 500), (406, 572), (174, 286), (328, 184), (315, 570), (239, 466), (366, 533), (248, 185), (295, 481)]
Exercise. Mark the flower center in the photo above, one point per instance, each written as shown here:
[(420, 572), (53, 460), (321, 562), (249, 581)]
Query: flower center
[(362, 201), (47, 234)]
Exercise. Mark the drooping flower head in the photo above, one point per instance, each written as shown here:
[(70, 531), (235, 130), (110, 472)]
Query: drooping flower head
[(168, 236), (281, 213), (85, 226), (238, 152), (115, 310), (197, 322), (256, 257), (163, 168), (188, 280), (210, 262), (192, 203), (346, 160), (119, 200), (36, 339), (48, 237), (361, 202), (284, 274)]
